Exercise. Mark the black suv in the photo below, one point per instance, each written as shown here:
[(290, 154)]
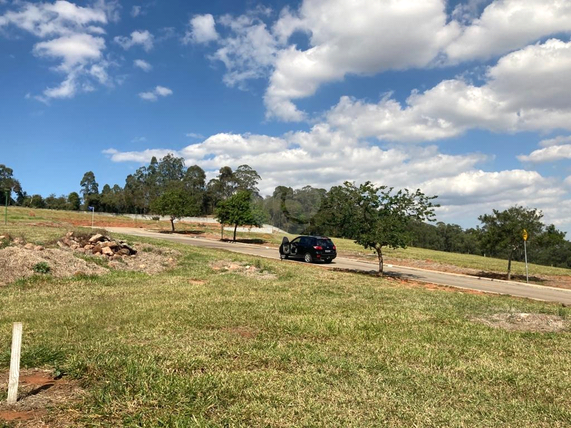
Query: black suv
[(309, 248)]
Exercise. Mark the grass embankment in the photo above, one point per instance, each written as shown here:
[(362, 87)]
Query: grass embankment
[(346, 247), (197, 346)]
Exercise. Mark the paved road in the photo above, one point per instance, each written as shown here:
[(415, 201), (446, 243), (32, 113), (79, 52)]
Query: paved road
[(517, 289)]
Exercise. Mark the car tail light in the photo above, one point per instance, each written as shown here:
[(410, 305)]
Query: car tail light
[(334, 247), (318, 247)]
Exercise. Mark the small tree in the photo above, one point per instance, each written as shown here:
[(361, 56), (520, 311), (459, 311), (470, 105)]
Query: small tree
[(73, 201), (175, 203), (239, 210), (502, 230), (377, 216)]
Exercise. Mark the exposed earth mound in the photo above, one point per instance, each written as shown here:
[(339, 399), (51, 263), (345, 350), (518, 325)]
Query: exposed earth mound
[(79, 254)]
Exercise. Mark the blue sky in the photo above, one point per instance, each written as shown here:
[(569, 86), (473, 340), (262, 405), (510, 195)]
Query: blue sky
[(467, 100)]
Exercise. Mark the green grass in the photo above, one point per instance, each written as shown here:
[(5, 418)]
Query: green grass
[(199, 347), (20, 218)]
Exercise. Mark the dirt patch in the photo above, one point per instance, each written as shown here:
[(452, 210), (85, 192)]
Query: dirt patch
[(149, 259), (242, 269), (196, 281), (521, 321), (38, 392), (245, 332), (19, 262)]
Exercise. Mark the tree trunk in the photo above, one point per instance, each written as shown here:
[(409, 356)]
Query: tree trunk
[(221, 231), (381, 261), (235, 227), (172, 224), (510, 265)]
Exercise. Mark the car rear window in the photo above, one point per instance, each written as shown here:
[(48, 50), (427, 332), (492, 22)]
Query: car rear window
[(327, 243)]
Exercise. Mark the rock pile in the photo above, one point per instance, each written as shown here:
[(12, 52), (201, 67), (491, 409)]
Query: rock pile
[(98, 245)]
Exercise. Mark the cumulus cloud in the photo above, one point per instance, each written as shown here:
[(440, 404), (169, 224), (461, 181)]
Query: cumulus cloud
[(506, 25), (202, 29), (323, 157), (248, 52), (143, 65), (142, 38), (159, 91), (72, 35), (348, 37), (140, 157), (548, 154), (360, 37), (524, 91)]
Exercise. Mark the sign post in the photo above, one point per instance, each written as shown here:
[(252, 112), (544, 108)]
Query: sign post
[(92, 209), (6, 208), (15, 363), (524, 235)]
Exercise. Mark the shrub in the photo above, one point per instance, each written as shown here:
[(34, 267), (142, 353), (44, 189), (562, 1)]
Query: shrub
[(42, 267)]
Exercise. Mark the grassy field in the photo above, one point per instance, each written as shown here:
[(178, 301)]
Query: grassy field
[(296, 346), (18, 218)]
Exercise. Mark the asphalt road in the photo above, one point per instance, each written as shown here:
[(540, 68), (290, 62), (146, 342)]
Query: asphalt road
[(517, 289)]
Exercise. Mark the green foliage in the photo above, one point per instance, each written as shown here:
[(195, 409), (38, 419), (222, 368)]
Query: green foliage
[(42, 267), (176, 203), (88, 184), (239, 210), (8, 184), (375, 216), (295, 211), (73, 201), (502, 230)]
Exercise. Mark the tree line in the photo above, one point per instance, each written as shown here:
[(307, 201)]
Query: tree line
[(374, 216)]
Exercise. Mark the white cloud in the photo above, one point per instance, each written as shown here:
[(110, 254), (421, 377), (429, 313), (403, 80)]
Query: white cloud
[(143, 65), (195, 135), (548, 154), (202, 29), (71, 35), (249, 52), (159, 91), (355, 37), (361, 37), (73, 49), (525, 91), (323, 157), (561, 139), (139, 140), (507, 25), (48, 20), (136, 11), (142, 38), (140, 157)]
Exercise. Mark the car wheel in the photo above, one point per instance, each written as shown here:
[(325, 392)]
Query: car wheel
[(308, 258), (328, 260), (283, 256)]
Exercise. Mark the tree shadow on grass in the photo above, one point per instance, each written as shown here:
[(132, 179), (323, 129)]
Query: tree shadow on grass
[(504, 277), (183, 232), (374, 273), (246, 240)]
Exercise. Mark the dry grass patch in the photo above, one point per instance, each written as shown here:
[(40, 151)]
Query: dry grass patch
[(521, 321), (224, 266)]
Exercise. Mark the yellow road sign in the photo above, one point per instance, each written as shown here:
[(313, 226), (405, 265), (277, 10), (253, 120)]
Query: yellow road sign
[(524, 234)]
